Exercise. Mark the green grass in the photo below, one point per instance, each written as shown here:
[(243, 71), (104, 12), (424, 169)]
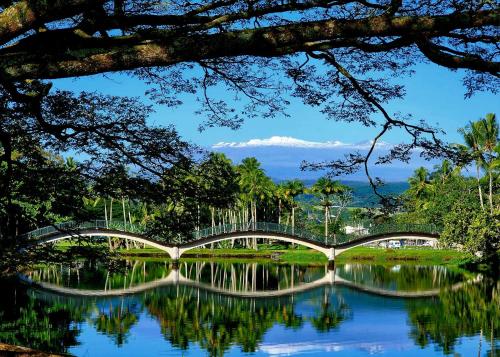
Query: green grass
[(302, 255), (309, 256), (417, 255)]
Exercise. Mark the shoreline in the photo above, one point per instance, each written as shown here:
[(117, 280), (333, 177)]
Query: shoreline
[(21, 351), (308, 256)]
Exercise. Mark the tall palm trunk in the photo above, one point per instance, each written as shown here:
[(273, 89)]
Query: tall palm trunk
[(111, 211), (279, 211), (105, 214), (479, 187), (326, 224), (107, 223), (212, 212), (491, 190), (124, 221), (293, 222)]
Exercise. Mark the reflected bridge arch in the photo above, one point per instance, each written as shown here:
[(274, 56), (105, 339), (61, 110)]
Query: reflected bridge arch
[(175, 278)]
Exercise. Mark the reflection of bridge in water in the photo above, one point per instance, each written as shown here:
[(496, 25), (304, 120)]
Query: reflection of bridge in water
[(176, 278), (365, 234)]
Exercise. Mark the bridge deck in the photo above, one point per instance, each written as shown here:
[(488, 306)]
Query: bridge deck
[(331, 247)]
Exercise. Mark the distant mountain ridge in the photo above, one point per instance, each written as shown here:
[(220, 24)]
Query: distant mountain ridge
[(282, 162)]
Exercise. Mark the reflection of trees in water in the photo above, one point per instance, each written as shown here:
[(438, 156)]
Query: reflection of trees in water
[(116, 321), (250, 276), (95, 275), (400, 277), (228, 276), (330, 315), (217, 322), (473, 309), (28, 321), (187, 314)]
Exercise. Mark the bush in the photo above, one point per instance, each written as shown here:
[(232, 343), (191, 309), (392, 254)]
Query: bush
[(478, 232), (484, 234)]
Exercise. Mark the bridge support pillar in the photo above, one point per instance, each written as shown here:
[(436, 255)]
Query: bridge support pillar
[(174, 253), (330, 254)]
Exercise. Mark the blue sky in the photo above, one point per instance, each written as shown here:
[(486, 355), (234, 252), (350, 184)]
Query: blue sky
[(434, 93)]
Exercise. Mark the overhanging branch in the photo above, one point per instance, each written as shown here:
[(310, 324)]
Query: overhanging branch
[(68, 56)]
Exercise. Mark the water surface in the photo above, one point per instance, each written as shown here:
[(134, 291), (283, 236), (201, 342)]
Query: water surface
[(261, 309)]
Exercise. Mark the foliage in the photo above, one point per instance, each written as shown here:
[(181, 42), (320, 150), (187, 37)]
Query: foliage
[(467, 208), (484, 234), (457, 313)]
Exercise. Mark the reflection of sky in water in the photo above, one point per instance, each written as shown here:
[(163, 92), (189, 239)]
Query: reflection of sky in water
[(376, 326), (369, 324)]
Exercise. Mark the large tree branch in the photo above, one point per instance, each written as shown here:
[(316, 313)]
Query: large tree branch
[(61, 55), (453, 59), (27, 14)]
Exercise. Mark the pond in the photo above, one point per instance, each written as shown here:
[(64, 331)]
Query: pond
[(150, 308)]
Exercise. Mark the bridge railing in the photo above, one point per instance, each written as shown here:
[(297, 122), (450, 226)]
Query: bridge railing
[(366, 229), (358, 230), (265, 227), (73, 226)]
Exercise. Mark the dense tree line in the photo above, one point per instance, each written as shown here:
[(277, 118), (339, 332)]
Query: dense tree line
[(340, 57), (466, 205)]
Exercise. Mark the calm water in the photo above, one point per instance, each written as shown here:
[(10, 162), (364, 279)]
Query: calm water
[(203, 308)]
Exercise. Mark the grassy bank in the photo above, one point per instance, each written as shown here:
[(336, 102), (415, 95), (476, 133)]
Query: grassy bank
[(302, 255), (309, 256)]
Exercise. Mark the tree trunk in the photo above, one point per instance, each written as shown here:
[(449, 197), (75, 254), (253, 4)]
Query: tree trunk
[(326, 224), (111, 211), (479, 187), (293, 219), (491, 191), (105, 213), (279, 211), (124, 221), (107, 224), (255, 223)]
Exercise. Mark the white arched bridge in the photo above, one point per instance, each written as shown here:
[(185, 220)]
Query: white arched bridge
[(331, 247)]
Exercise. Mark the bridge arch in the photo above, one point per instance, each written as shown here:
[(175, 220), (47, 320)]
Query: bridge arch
[(327, 250), (342, 247), (235, 231), (98, 233)]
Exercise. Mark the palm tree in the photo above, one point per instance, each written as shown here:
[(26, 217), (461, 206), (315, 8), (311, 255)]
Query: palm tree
[(255, 185), (444, 171), (293, 188), (324, 188), (279, 194), (489, 140), (472, 137), (420, 185)]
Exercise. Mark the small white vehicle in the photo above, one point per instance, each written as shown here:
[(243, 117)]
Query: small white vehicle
[(394, 244)]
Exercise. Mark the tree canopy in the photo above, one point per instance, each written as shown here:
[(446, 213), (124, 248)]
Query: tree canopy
[(342, 57), (81, 37)]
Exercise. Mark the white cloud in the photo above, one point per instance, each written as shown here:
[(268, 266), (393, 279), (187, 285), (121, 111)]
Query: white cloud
[(372, 347), (288, 141)]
